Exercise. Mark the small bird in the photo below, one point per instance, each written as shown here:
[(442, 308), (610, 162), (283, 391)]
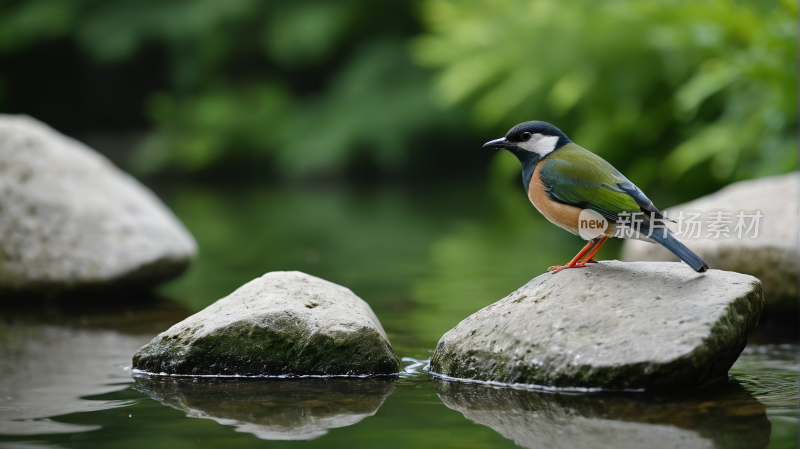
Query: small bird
[(564, 180)]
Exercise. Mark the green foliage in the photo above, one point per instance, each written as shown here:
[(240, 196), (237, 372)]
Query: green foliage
[(674, 83), (670, 89), (306, 85), (377, 103)]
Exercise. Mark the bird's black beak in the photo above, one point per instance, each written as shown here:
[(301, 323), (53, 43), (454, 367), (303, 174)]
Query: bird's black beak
[(496, 143)]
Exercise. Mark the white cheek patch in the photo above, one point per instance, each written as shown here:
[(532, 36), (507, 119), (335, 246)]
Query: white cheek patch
[(540, 144)]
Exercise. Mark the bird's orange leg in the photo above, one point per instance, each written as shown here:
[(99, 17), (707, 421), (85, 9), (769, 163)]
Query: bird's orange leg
[(576, 261), (589, 257)]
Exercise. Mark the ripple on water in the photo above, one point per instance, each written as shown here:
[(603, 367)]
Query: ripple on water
[(771, 374), (47, 371), (414, 368)]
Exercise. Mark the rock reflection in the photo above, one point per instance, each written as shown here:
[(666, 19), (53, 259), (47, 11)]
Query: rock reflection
[(46, 371), (56, 353), (273, 409), (725, 416)]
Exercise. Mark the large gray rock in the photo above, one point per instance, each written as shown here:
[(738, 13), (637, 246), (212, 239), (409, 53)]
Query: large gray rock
[(283, 323), (725, 417), (69, 218), (279, 409), (772, 257), (613, 325)]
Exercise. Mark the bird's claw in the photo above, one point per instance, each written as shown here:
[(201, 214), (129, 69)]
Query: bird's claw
[(558, 268)]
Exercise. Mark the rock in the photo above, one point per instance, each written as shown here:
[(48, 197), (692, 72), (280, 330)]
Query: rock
[(772, 257), (275, 409), (728, 417), (285, 323), (614, 325), (69, 218)]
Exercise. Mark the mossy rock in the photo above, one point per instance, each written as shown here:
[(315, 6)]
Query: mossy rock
[(281, 324), (614, 325)]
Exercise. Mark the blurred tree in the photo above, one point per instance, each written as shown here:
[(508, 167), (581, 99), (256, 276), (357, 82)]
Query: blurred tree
[(304, 86), (695, 94), (691, 86)]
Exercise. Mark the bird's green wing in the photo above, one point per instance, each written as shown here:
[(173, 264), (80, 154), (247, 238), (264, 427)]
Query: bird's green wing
[(575, 176)]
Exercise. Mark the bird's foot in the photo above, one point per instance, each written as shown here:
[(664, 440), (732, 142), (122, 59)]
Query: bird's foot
[(558, 268)]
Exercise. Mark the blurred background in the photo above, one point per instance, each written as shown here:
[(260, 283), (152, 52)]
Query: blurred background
[(682, 96), (343, 139)]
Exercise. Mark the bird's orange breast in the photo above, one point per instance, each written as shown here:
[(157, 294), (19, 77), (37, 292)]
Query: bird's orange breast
[(561, 215)]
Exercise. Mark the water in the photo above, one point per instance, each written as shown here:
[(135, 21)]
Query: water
[(424, 258)]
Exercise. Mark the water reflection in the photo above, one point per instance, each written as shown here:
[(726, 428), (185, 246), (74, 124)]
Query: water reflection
[(55, 355), (272, 409), (724, 416), (45, 371)]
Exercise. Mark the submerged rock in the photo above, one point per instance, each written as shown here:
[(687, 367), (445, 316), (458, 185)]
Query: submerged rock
[(283, 323), (728, 417), (613, 325), (273, 409), (70, 218), (771, 257)]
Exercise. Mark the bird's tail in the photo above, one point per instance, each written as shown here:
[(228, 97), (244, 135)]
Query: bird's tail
[(679, 249)]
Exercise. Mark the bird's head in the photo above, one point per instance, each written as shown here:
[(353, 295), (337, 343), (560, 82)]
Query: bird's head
[(531, 140)]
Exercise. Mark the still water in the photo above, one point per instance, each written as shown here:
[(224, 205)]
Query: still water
[(424, 259)]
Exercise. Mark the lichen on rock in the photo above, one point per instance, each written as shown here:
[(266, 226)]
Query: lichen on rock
[(613, 325), (281, 324)]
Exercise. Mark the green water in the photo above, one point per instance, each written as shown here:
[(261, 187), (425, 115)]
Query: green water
[(424, 258)]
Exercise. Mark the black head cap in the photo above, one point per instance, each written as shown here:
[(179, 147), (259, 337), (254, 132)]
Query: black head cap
[(518, 133)]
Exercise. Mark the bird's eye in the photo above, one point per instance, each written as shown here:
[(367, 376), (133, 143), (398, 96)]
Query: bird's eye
[(526, 136)]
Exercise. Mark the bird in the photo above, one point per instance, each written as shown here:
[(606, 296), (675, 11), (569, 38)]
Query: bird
[(564, 180)]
